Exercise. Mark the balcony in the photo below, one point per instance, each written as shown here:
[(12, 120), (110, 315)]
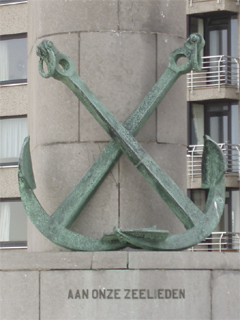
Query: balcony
[(194, 165), (205, 6), (220, 242), (218, 79)]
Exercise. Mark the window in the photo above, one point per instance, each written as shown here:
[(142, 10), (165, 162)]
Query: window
[(12, 133), (13, 223), (230, 218), (219, 120), (13, 59), (220, 33)]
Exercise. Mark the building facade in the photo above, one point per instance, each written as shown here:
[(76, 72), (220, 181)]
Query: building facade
[(212, 103), (13, 118)]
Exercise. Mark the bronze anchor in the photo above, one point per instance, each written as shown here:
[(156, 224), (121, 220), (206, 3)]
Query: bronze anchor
[(198, 224)]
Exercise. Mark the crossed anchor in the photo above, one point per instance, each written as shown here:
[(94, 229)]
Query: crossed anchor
[(198, 224)]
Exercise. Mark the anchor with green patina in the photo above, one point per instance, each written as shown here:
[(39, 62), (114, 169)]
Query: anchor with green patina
[(198, 224)]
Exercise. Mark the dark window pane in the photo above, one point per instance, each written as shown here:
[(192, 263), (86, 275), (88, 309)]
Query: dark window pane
[(234, 37), (13, 59), (234, 124), (13, 221), (12, 133)]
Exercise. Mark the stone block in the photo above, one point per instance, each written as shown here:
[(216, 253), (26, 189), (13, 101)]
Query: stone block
[(14, 19), (125, 295), (11, 261), (54, 108), (120, 68), (19, 295), (58, 168), (153, 16), (74, 16), (184, 260), (140, 205), (9, 182), (110, 260), (225, 295), (14, 100), (172, 112)]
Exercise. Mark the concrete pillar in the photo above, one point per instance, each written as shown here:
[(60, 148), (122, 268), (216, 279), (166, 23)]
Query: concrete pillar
[(120, 48)]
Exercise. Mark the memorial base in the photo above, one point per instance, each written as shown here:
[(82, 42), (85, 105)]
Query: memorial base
[(118, 285)]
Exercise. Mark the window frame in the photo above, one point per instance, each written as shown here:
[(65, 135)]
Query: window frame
[(227, 16), (12, 37), (13, 244), (15, 163), (207, 114)]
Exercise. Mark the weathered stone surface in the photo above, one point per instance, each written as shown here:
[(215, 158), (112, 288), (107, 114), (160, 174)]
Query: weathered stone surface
[(13, 100), (19, 295), (140, 205), (120, 68), (14, 19), (226, 295), (184, 260), (110, 260), (67, 303), (74, 16), (173, 109), (44, 261), (153, 16), (54, 109), (135, 259)]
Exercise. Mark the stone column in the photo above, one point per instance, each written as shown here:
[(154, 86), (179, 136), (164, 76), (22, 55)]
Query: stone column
[(120, 48)]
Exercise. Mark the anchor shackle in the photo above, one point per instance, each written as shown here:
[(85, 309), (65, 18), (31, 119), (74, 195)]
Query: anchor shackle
[(57, 63), (191, 51)]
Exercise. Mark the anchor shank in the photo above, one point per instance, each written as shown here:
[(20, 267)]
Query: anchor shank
[(139, 157), (86, 187), (95, 175), (93, 178)]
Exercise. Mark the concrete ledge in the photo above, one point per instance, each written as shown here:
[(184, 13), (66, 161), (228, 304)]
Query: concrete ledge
[(212, 6), (119, 260), (212, 93)]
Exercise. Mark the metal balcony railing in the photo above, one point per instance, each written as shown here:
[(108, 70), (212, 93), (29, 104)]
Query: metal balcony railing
[(220, 242), (217, 71), (191, 2), (231, 154)]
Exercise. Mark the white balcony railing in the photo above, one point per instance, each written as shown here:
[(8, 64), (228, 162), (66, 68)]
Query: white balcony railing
[(220, 241), (191, 2), (231, 154), (217, 71)]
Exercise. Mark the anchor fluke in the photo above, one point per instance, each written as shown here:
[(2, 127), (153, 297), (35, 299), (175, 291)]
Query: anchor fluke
[(213, 163)]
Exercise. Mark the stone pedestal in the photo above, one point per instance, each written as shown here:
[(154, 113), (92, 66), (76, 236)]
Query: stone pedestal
[(119, 285), (120, 49)]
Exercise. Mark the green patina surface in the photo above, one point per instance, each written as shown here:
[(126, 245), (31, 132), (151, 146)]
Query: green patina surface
[(198, 224)]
